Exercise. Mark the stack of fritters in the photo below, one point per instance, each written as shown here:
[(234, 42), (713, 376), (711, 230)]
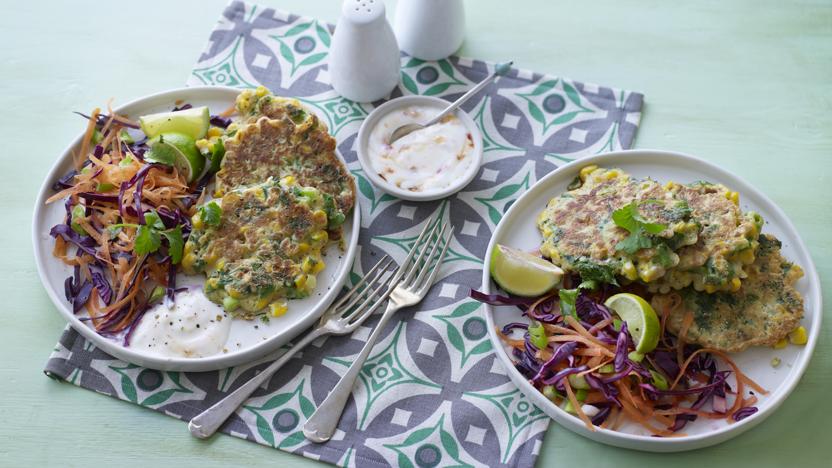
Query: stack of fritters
[(734, 281), (763, 311), (283, 194)]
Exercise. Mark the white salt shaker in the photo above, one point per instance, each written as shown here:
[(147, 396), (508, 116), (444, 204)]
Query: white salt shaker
[(430, 29), (364, 56)]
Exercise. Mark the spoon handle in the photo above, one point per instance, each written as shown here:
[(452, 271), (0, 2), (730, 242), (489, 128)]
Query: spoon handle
[(499, 70)]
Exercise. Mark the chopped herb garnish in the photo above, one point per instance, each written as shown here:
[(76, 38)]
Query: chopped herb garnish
[(639, 228), (590, 271), (210, 213)]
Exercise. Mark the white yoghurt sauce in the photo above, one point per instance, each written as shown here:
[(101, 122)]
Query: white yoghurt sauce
[(432, 158), (195, 327)]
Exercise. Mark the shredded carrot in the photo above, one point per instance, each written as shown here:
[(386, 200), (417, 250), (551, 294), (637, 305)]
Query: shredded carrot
[(86, 139), (577, 406)]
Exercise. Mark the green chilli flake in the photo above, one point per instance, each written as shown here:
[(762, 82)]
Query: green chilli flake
[(537, 335), (78, 212), (567, 301)]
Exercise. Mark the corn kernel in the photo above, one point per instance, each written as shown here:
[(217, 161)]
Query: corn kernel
[(670, 185), (196, 221), (320, 236), (233, 293), (288, 180), (735, 284), (611, 174), (798, 336), (213, 282), (319, 266), (261, 303), (203, 145), (214, 132), (311, 282), (303, 247), (300, 281), (629, 271), (308, 265), (220, 264), (710, 289), (261, 91), (781, 344), (746, 256), (319, 217), (278, 308), (586, 171)]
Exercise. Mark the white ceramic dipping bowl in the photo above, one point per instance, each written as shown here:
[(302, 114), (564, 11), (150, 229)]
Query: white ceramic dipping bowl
[(426, 195)]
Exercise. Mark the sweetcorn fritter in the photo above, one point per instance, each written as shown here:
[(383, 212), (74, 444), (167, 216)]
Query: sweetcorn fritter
[(579, 232), (727, 240), (762, 312), (277, 137), (259, 245)]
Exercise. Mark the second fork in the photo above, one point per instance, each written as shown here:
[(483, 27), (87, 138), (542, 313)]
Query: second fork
[(416, 280)]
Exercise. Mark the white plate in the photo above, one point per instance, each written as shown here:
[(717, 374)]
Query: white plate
[(518, 229), (248, 340)]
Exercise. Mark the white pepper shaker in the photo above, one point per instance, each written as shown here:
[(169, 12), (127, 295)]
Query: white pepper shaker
[(364, 56), (430, 29)]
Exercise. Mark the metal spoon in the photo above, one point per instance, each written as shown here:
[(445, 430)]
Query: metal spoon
[(499, 70)]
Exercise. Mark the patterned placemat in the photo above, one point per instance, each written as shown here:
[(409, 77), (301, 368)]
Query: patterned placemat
[(432, 392)]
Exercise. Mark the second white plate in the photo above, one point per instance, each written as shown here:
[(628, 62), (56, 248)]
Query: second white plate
[(518, 229)]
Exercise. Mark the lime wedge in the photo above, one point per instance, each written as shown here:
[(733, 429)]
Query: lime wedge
[(522, 273), (177, 150), (193, 122), (641, 319)]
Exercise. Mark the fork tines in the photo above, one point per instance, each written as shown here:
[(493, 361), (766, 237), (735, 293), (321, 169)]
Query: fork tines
[(365, 290)]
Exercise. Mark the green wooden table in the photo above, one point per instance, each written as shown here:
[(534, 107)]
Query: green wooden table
[(745, 84)]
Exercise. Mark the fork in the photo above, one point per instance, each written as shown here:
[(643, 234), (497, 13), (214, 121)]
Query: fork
[(410, 291), (341, 318)]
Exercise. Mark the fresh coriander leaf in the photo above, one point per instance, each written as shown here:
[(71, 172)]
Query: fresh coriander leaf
[(567, 301), (664, 255), (147, 240), (634, 242), (588, 284), (653, 228), (628, 217), (210, 213), (625, 217), (152, 220), (594, 272), (175, 243)]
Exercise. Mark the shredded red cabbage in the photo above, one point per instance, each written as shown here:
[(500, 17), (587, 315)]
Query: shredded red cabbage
[(219, 121), (744, 413)]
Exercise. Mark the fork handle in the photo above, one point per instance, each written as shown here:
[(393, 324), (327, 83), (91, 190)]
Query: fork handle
[(206, 423), (322, 424)]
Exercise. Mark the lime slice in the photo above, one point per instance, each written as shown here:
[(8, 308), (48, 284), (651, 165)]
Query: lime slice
[(522, 273), (642, 322), (177, 150), (193, 122)]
